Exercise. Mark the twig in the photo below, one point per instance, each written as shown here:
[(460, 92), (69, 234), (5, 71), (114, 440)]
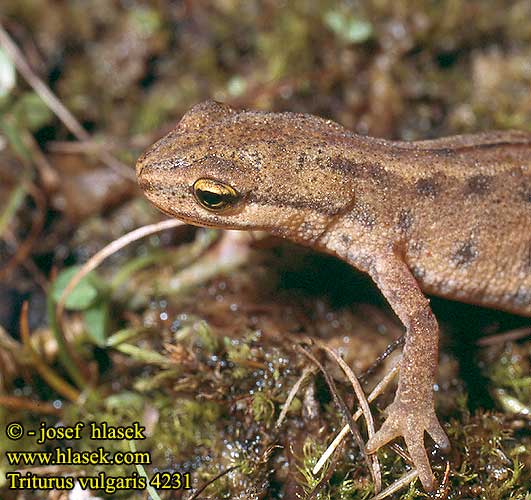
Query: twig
[(214, 479), (15, 54), (85, 147), (107, 251), (327, 476), (36, 407), (339, 403), (375, 468), (379, 360), (292, 393), (91, 264), (511, 335), (50, 176), (397, 485), (341, 435), (443, 491)]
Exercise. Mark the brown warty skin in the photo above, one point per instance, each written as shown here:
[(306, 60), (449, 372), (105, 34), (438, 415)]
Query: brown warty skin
[(450, 217)]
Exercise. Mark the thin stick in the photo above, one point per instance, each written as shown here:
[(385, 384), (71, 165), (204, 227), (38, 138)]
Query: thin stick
[(327, 476), (443, 491), (380, 359), (107, 251), (355, 385), (339, 403), (364, 406), (36, 407), (292, 393), (50, 177), (214, 479), (397, 485), (509, 336), (341, 435), (15, 54), (92, 263)]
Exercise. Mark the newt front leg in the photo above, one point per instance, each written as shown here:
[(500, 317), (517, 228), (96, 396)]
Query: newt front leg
[(412, 412)]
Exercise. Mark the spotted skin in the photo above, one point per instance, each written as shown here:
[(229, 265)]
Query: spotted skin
[(449, 217)]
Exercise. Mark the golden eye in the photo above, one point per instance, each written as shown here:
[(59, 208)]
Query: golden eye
[(214, 195)]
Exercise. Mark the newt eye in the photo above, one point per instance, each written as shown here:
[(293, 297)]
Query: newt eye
[(214, 195)]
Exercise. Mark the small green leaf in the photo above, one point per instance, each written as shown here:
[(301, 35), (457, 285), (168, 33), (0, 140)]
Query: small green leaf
[(144, 355), (82, 296), (116, 403), (14, 134), (96, 320), (350, 28)]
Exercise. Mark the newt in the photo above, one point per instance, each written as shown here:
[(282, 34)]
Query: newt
[(449, 217)]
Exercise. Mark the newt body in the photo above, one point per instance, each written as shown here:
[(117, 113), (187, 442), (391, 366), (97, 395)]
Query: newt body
[(450, 217)]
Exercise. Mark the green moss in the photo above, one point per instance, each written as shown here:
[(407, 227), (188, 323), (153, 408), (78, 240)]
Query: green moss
[(263, 408)]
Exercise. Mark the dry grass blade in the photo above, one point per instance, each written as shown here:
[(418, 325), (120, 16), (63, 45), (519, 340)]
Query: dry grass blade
[(327, 476), (375, 465), (397, 485), (388, 350), (339, 403), (49, 177), (341, 435), (53, 380), (94, 262), (23, 404), (292, 393), (51, 100), (444, 489), (213, 480), (107, 251), (510, 336)]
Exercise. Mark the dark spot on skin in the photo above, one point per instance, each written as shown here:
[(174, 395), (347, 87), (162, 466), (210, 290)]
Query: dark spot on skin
[(362, 214), (405, 220), (362, 261), (516, 172), (427, 187), (522, 297), (362, 170), (443, 151), (306, 227), (418, 272), (527, 195), (465, 254), (346, 239), (344, 165), (478, 184), (415, 246)]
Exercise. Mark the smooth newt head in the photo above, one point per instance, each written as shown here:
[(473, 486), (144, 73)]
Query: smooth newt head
[(246, 170)]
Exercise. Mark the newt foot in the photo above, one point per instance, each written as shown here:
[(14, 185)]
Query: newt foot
[(411, 422)]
